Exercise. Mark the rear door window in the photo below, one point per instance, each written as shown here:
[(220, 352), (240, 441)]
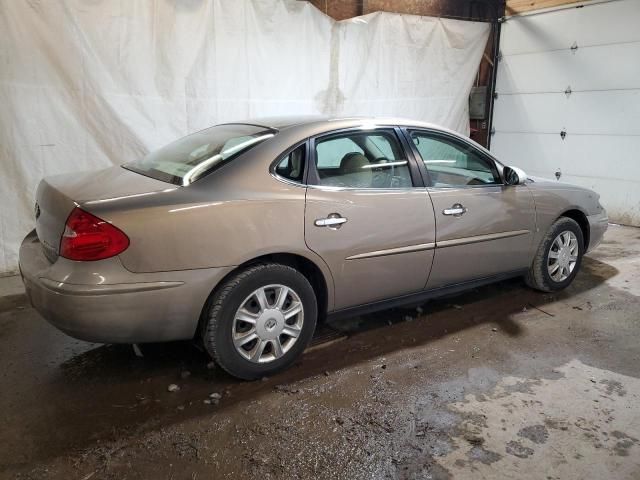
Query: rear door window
[(330, 153), (362, 160)]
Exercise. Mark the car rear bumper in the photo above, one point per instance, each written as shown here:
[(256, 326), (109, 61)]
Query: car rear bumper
[(104, 302), (598, 224)]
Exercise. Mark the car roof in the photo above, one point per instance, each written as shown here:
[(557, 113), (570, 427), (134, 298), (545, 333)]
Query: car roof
[(282, 122)]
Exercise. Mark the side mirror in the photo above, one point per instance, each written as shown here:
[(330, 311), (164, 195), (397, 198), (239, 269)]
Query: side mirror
[(514, 176)]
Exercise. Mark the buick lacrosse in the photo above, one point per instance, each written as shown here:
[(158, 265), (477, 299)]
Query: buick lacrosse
[(244, 235)]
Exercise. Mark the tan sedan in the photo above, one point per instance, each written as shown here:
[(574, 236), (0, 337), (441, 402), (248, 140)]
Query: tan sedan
[(244, 235)]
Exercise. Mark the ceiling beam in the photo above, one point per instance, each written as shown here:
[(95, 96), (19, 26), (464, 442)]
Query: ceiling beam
[(519, 6)]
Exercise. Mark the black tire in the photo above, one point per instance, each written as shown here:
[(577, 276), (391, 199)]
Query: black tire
[(218, 327), (538, 276)]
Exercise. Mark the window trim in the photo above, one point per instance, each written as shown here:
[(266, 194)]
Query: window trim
[(497, 165), (313, 179), (279, 158)]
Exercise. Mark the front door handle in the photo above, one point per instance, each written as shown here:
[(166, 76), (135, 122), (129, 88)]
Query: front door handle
[(333, 220), (456, 210)]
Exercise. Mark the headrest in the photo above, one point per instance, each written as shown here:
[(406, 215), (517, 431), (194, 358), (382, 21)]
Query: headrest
[(353, 162)]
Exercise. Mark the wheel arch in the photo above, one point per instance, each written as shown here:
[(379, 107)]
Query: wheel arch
[(311, 270), (581, 219)]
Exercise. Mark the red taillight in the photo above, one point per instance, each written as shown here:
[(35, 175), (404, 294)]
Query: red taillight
[(87, 237)]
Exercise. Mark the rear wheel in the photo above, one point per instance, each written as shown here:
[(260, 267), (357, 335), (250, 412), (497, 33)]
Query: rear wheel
[(558, 258), (260, 320)]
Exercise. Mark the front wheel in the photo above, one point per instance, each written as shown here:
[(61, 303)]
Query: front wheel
[(260, 320), (558, 258)]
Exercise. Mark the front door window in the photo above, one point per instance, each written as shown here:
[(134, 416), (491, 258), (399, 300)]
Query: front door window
[(454, 164)]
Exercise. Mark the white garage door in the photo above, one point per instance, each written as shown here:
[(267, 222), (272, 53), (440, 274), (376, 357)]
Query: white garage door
[(575, 70)]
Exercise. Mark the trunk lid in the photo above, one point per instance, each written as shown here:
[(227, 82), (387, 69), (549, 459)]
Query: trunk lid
[(57, 196)]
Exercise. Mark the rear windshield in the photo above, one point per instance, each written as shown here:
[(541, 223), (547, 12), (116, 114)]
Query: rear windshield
[(190, 158)]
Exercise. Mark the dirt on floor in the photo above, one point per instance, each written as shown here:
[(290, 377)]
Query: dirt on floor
[(499, 382)]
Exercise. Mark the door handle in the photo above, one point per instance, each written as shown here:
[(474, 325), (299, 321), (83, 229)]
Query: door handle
[(456, 210), (334, 221)]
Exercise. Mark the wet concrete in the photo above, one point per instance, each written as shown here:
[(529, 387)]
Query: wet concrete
[(499, 382)]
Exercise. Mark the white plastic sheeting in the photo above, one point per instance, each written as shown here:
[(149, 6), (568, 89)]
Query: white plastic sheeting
[(89, 83)]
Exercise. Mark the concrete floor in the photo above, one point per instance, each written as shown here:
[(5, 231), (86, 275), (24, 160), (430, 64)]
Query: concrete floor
[(500, 382)]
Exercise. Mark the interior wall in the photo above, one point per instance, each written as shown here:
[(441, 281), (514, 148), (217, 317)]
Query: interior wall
[(85, 85), (483, 10), (472, 10)]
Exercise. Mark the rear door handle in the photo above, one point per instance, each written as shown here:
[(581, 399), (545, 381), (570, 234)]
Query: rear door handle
[(333, 220), (456, 210)]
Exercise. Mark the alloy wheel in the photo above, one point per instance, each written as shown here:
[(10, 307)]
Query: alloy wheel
[(563, 256), (268, 323)]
